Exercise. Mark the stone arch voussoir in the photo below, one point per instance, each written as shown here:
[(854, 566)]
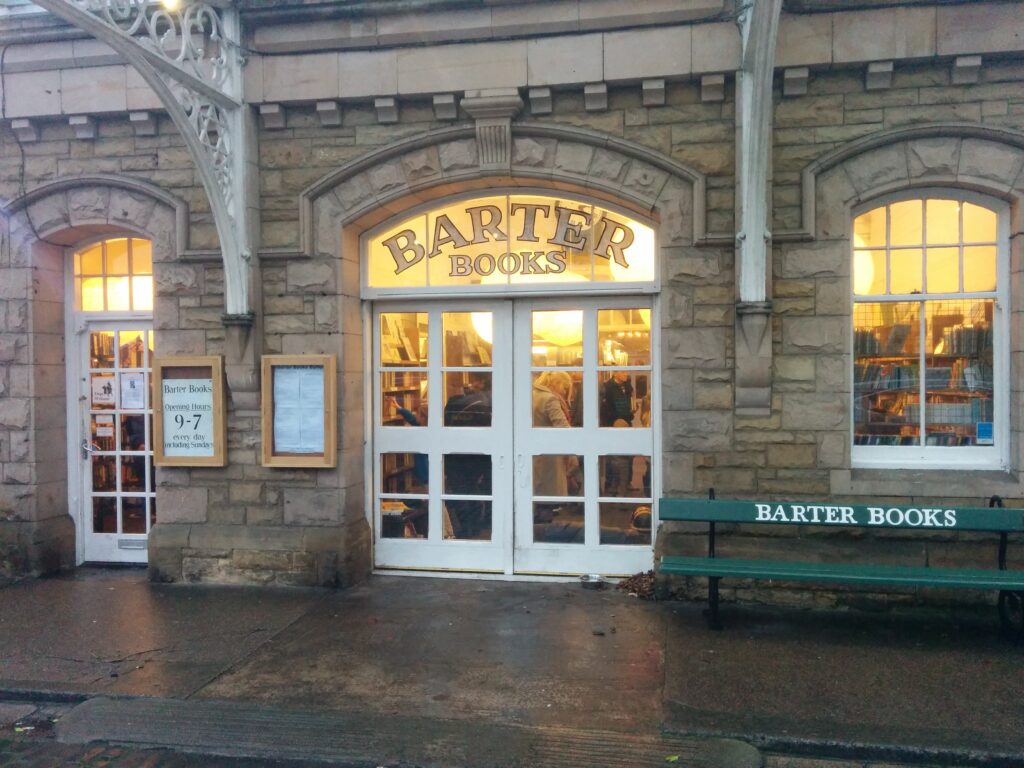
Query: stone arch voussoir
[(966, 156), (558, 157)]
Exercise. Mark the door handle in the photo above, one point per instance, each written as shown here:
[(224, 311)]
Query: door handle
[(87, 448)]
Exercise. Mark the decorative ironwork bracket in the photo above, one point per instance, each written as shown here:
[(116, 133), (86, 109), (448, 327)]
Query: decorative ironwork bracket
[(190, 57)]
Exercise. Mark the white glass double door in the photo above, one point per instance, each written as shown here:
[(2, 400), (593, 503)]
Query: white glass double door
[(514, 436)]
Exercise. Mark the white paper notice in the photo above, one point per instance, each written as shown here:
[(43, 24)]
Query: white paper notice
[(102, 390), (133, 392), (299, 409), (187, 417), (104, 425)]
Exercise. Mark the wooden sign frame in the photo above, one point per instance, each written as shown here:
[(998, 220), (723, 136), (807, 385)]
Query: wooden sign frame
[(161, 367), (325, 458)]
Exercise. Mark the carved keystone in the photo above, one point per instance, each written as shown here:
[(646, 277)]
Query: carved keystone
[(493, 110)]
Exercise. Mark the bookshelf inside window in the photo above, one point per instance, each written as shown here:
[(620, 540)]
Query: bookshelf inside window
[(923, 373)]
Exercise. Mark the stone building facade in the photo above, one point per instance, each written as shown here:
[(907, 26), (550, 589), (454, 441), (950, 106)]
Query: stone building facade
[(363, 116)]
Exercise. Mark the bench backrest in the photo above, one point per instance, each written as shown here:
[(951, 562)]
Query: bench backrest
[(924, 517)]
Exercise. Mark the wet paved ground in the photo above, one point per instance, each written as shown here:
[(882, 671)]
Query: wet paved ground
[(543, 666)]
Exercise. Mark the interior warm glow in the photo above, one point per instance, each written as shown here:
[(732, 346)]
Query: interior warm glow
[(115, 276), (563, 328), (863, 268), (92, 294), (483, 324), (639, 256), (171, 5)]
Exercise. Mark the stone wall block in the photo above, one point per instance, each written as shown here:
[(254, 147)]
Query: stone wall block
[(181, 504), (310, 277), (833, 450), (573, 158), (676, 207), (992, 162), (458, 155), (829, 258), (689, 264), (695, 347), (698, 430), (177, 279), (88, 205), (677, 307), (325, 314), (15, 413), (933, 157), (882, 167), (535, 154), (327, 212), (130, 210), (811, 334), (421, 164), (815, 411), (312, 506), (809, 111), (181, 343)]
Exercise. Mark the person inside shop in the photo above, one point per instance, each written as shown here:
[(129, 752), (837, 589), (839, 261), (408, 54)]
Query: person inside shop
[(472, 408), (617, 399), (551, 393)]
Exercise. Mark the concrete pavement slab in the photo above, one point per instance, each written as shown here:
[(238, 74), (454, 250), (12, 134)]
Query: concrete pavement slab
[(111, 631), (907, 682), (511, 652)]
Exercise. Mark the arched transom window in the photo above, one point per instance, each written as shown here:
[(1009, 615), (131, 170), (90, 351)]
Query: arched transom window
[(115, 276), (507, 243), (928, 333)]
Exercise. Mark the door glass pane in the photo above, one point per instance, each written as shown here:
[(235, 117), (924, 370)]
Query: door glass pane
[(886, 373), (104, 514), (101, 349), (132, 352), (468, 337), (403, 339), (467, 399), (91, 261), (118, 298), (958, 373), (625, 399), (404, 473), (133, 473), (869, 229), (142, 293), (553, 400), (557, 337), (133, 514), (467, 474), (102, 432), (404, 399), (117, 256), (104, 473), (103, 394), (624, 336), (91, 299), (625, 476), (557, 475), (558, 523), (404, 519), (142, 257), (625, 523)]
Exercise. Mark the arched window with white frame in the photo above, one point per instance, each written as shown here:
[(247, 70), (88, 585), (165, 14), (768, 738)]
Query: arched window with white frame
[(930, 337)]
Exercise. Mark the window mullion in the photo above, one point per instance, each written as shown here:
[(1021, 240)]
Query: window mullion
[(923, 374)]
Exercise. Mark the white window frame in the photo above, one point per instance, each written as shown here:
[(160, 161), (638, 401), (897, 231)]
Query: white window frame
[(997, 456)]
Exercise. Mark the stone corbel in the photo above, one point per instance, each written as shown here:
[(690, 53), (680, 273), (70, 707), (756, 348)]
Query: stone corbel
[(753, 358), (240, 369), (493, 110)]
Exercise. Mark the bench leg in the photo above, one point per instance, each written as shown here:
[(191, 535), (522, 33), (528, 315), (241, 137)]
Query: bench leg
[(1011, 614), (712, 611)]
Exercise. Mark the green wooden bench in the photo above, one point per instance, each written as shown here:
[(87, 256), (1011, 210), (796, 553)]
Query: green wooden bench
[(994, 518)]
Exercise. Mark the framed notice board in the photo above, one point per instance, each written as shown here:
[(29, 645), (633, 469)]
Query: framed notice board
[(189, 424), (299, 407)]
